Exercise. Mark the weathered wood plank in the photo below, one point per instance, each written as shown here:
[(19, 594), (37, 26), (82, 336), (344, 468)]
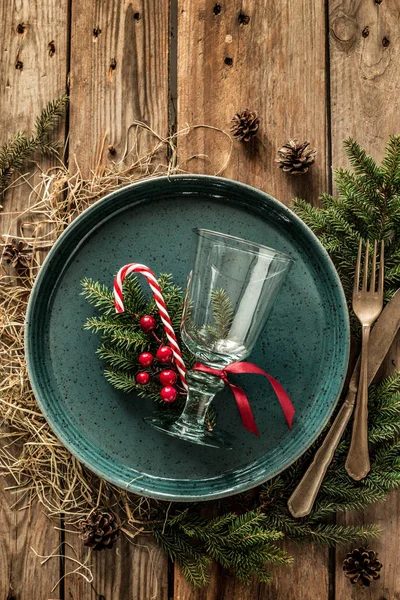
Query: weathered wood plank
[(365, 86), (119, 74), (269, 57), (224, 586), (33, 51), (131, 572), (22, 533), (365, 79), (387, 516)]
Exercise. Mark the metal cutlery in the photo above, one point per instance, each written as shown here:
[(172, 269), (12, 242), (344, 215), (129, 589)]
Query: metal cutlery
[(382, 335), (367, 305)]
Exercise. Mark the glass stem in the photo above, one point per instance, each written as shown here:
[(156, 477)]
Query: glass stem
[(202, 389)]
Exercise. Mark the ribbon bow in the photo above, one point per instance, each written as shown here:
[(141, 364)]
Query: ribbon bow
[(240, 396)]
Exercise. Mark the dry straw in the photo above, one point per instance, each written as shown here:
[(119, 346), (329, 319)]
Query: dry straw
[(36, 464)]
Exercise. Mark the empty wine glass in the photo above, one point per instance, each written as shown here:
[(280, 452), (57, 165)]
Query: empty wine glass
[(229, 296)]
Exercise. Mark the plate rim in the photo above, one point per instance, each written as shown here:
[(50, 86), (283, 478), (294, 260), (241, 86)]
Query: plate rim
[(111, 476)]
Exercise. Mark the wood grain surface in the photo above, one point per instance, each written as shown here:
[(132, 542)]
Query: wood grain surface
[(133, 572), (30, 76), (318, 71), (365, 86), (276, 66), (266, 56), (118, 75)]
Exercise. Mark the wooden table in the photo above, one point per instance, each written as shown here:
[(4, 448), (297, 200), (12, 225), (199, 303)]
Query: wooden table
[(319, 71)]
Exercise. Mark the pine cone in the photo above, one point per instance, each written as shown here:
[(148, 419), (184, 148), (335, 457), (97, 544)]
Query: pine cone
[(18, 254), (362, 566), (294, 158), (100, 530), (245, 125)]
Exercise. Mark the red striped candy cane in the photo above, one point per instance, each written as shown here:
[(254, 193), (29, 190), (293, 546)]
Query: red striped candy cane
[(162, 309)]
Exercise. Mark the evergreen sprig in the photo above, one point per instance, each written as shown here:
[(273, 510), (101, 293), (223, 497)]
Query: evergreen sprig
[(20, 147), (222, 312), (123, 339), (367, 207), (239, 542)]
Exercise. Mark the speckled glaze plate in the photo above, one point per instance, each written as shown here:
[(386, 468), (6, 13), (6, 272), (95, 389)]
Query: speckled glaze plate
[(304, 345)]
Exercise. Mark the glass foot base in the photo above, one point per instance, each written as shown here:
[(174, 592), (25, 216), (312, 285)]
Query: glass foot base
[(203, 438)]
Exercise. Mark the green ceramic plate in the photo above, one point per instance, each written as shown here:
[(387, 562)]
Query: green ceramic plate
[(305, 344)]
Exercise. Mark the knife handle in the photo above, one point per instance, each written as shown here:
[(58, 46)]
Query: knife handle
[(301, 501), (357, 463)]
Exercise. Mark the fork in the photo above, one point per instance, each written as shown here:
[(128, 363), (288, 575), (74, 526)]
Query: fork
[(367, 305)]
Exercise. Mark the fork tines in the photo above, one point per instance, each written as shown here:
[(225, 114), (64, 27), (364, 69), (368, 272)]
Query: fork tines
[(372, 284)]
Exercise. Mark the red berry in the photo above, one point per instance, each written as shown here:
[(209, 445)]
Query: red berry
[(168, 393), (164, 354), (168, 377), (147, 323), (142, 378), (146, 359)]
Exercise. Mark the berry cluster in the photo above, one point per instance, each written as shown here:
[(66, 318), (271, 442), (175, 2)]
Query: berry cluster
[(164, 355)]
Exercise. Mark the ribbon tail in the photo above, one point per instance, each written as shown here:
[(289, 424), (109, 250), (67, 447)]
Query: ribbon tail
[(244, 407), (284, 400)]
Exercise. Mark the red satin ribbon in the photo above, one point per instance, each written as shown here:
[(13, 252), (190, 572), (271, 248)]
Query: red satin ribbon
[(240, 396)]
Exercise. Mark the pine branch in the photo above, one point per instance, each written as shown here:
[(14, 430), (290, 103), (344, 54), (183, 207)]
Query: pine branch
[(98, 295), (241, 543), (118, 358), (391, 161), (20, 147), (121, 380), (48, 119), (124, 340), (222, 311), (338, 535), (368, 206), (363, 164)]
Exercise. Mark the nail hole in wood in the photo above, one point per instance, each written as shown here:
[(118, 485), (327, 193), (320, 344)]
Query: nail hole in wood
[(112, 150), (136, 16), (19, 65), (378, 1), (217, 10), (365, 32), (385, 42), (21, 28), (96, 32), (52, 48), (10, 596), (243, 18), (113, 64), (228, 61)]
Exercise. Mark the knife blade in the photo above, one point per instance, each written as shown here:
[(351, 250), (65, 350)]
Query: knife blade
[(383, 333)]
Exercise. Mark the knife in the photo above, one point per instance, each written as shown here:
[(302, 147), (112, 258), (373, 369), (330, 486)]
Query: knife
[(383, 333)]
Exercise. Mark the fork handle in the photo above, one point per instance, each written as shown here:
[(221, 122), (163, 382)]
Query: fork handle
[(357, 462)]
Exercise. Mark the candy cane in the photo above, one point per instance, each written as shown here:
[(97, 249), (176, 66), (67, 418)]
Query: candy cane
[(162, 309)]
